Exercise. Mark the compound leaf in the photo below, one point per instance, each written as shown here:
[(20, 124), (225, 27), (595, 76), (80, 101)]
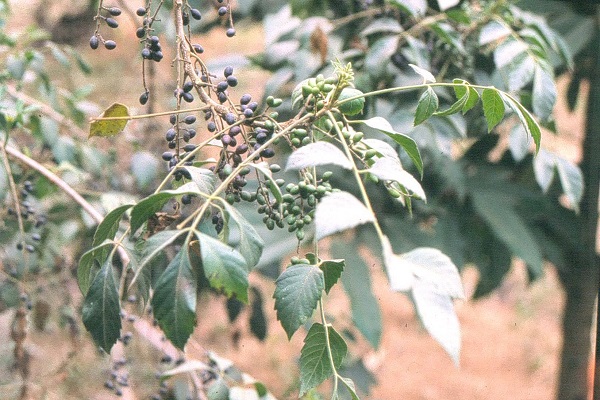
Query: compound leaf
[(493, 107), (297, 292), (428, 104)]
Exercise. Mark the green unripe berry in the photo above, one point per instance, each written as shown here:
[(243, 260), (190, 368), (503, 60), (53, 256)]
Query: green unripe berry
[(299, 223), (357, 137), (299, 132), (394, 193), (227, 169), (306, 141), (295, 260), (296, 142), (307, 219), (230, 198), (295, 190), (300, 234), (275, 168), (270, 224), (370, 153), (312, 200), (327, 175)]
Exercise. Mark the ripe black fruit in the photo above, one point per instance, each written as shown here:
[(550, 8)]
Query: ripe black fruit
[(232, 81), (187, 96), (140, 33), (230, 118), (110, 44), (222, 86), (228, 71), (144, 98), (190, 119), (112, 22), (114, 11), (198, 48), (170, 135), (141, 12), (196, 14), (222, 11), (167, 155), (94, 42), (230, 32)]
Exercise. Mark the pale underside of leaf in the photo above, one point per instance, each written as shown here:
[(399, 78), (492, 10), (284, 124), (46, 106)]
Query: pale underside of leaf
[(339, 211)]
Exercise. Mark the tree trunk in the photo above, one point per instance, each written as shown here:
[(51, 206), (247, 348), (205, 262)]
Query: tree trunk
[(582, 281)]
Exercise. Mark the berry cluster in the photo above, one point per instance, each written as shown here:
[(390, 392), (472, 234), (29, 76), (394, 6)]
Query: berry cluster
[(107, 17)]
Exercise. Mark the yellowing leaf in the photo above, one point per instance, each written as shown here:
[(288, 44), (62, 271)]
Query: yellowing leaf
[(110, 127)]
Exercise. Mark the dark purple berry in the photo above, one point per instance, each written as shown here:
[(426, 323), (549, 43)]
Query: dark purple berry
[(196, 14), (173, 119), (245, 99), (222, 86), (30, 248), (232, 81), (248, 113), (141, 12), (19, 246), (226, 140), (230, 118), (261, 137), (186, 199), (192, 133), (253, 106), (211, 126), (153, 40), (235, 130), (112, 22), (170, 135), (233, 142), (114, 11), (172, 145), (186, 136), (144, 98), (110, 44), (230, 32), (109, 385), (157, 56), (146, 53), (267, 153), (36, 236), (222, 97), (198, 48), (94, 42), (173, 162), (228, 71), (190, 119), (222, 11), (242, 148), (167, 155), (140, 33), (187, 96), (189, 147), (188, 86)]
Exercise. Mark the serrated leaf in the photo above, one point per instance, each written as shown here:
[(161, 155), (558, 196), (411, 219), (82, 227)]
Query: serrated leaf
[(426, 75), (332, 270), (428, 104), (107, 128), (437, 314), (297, 292), (317, 154), (388, 169), (544, 92), (492, 32), (461, 91), (224, 267), (250, 244), (528, 122), (155, 202), (315, 366), (101, 308), (509, 227), (493, 107), (457, 106), (407, 143), (174, 299), (339, 211)]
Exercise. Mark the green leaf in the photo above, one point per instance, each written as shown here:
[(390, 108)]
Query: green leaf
[(407, 143), (492, 32), (101, 308), (351, 107), (508, 226), (544, 92), (339, 211), (297, 292), (493, 107), (110, 224), (107, 128), (315, 366), (461, 91), (332, 270), (250, 244), (174, 299), (520, 72), (529, 124), (88, 265), (456, 107), (426, 75), (147, 207), (356, 280), (508, 51), (204, 178), (437, 314), (152, 248), (317, 154), (428, 104), (224, 267), (349, 384), (388, 169)]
